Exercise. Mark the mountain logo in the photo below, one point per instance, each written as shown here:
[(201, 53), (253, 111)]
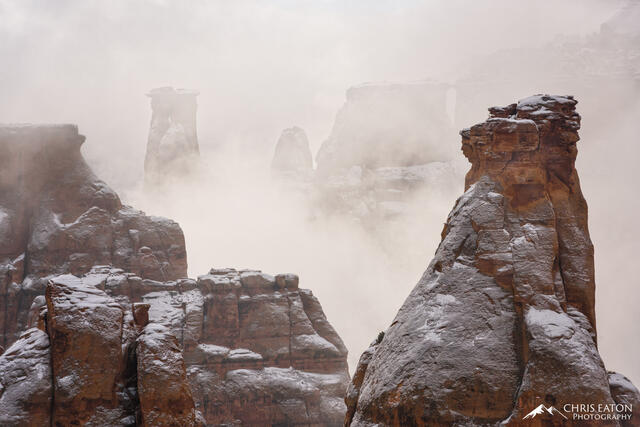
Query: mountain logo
[(541, 409)]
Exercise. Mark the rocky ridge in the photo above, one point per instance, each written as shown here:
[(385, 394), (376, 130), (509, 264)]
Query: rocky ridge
[(503, 318), (256, 347), (82, 272), (57, 217), (91, 361)]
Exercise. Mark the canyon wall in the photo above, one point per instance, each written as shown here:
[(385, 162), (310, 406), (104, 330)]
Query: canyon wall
[(103, 327), (57, 217), (89, 360), (503, 319)]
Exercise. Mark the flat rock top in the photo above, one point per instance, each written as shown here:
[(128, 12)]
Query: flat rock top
[(38, 135), (170, 91), (9, 129)]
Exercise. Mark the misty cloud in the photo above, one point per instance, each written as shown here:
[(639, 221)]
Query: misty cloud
[(262, 67)]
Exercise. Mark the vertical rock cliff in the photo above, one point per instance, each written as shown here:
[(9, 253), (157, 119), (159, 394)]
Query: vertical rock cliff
[(172, 147), (102, 327), (57, 217), (93, 362), (503, 319), (256, 347)]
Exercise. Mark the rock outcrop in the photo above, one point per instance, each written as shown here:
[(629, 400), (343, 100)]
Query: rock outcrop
[(388, 125), (257, 348), (93, 365), (292, 154), (172, 147), (162, 379), (124, 337), (502, 320), (237, 346), (57, 217), (25, 381), (389, 143)]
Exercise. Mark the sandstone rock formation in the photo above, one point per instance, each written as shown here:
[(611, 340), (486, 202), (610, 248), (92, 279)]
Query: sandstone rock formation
[(93, 365), (163, 386), (25, 381), (292, 152), (388, 125), (257, 348), (57, 217), (172, 147), (103, 327), (503, 318), (389, 142)]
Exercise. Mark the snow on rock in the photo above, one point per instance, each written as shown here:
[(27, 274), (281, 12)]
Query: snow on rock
[(115, 294), (25, 381), (70, 227), (503, 319), (625, 393), (197, 331), (297, 396), (163, 390), (86, 328), (93, 366)]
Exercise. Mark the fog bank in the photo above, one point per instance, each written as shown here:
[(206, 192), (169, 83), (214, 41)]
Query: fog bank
[(261, 67)]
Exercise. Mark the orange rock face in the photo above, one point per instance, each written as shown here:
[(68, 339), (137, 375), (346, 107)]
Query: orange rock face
[(257, 349), (25, 381), (163, 390), (122, 337), (503, 319), (57, 217), (81, 320), (93, 366)]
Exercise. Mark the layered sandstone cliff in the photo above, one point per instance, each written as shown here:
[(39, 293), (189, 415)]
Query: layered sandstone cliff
[(57, 217), (82, 275), (93, 361), (257, 348), (503, 318)]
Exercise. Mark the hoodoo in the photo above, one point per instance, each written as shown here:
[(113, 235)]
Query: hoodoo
[(292, 152), (172, 146), (503, 320)]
